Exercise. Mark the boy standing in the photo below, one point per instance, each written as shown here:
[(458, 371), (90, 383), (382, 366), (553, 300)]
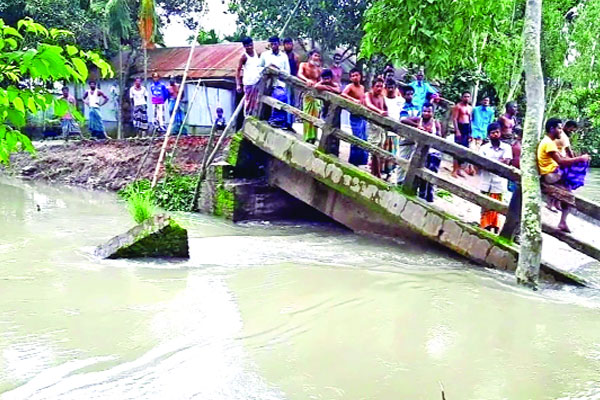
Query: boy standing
[(492, 185)]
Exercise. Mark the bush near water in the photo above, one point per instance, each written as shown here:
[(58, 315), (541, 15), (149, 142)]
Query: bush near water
[(173, 193)]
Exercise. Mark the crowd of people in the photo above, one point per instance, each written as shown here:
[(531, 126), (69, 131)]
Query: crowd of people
[(494, 137), (162, 97)]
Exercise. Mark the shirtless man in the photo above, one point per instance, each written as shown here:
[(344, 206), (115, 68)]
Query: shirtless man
[(508, 121), (375, 101), (356, 92), (429, 124), (310, 72), (461, 119), (329, 84)]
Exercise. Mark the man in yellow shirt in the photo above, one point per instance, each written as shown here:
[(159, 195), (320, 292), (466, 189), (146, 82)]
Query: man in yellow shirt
[(550, 160)]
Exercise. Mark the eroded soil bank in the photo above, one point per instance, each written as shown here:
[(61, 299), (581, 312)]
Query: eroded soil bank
[(108, 165)]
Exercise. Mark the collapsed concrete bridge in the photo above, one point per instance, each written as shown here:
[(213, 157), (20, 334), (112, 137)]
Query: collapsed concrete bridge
[(268, 173)]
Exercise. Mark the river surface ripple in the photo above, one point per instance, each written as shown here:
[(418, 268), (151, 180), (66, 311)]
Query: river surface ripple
[(271, 311)]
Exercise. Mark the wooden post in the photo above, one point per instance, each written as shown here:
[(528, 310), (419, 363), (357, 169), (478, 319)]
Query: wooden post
[(513, 217), (264, 87), (328, 143), (416, 162)]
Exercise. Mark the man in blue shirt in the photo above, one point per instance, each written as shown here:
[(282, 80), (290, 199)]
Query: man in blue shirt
[(410, 109), (422, 89), (483, 115), (160, 94)]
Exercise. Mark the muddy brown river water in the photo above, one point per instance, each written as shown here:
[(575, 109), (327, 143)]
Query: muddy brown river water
[(271, 311)]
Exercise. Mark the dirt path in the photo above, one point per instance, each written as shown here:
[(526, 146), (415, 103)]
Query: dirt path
[(102, 165)]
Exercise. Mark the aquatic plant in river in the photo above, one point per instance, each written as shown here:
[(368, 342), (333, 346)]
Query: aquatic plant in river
[(141, 205)]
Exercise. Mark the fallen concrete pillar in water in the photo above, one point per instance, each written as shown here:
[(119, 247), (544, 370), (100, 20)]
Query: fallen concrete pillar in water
[(157, 237)]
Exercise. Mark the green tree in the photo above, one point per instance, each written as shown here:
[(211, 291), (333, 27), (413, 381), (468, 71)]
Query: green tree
[(446, 37), (27, 70), (329, 23), (88, 20), (208, 37)]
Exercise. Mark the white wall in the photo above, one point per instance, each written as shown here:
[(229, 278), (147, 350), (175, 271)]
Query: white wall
[(200, 114)]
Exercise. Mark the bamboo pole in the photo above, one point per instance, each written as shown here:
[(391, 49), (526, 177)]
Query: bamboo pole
[(208, 160), (172, 118), (172, 155)]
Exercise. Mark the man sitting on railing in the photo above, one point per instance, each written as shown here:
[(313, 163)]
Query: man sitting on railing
[(310, 72), (558, 170), (356, 93), (279, 60), (492, 185)]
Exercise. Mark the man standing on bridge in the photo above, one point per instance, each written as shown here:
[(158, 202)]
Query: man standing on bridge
[(508, 122), (248, 74), (278, 59), (310, 72), (461, 118), (375, 101), (421, 89), (483, 115), (355, 92), (492, 185)]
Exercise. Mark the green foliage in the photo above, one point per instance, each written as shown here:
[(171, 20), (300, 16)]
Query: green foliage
[(96, 24), (331, 23), (141, 205), (118, 18), (172, 194), (447, 36), (210, 37), (27, 67)]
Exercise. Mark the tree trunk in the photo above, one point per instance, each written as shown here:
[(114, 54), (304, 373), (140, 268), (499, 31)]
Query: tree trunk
[(120, 94), (146, 66), (530, 255)]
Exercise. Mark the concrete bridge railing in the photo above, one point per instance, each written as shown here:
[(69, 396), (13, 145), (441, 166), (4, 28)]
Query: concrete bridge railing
[(331, 135)]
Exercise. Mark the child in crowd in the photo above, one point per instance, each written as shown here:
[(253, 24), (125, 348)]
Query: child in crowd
[(220, 122)]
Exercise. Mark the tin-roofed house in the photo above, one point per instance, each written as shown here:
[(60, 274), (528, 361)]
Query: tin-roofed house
[(214, 65)]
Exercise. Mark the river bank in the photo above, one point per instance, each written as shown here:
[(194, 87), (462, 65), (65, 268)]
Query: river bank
[(106, 165)]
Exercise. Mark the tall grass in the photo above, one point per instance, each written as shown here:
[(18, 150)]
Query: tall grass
[(141, 205)]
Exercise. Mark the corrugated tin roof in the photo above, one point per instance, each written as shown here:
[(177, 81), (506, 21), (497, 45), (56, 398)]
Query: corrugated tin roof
[(209, 61)]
